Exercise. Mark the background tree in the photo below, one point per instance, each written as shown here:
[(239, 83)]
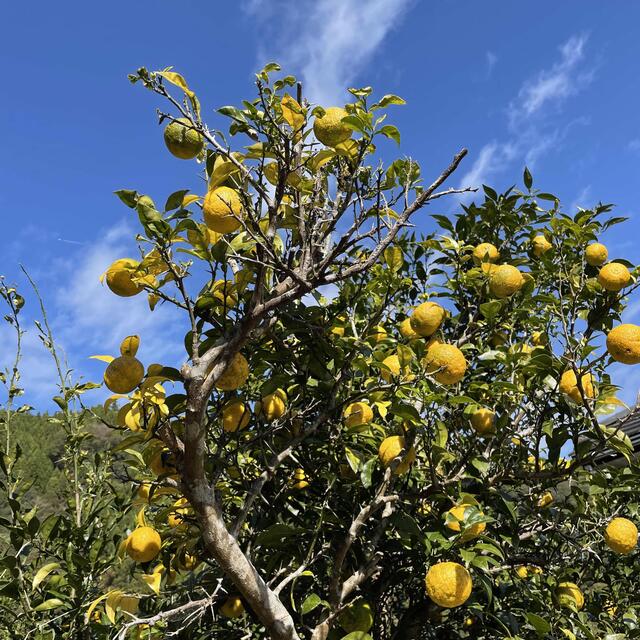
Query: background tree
[(436, 416)]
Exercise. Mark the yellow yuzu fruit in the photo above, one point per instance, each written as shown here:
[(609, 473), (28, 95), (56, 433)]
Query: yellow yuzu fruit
[(406, 330), (182, 140), (426, 318), (569, 595), (505, 280), (614, 276), (274, 405), (378, 334), (123, 374), (448, 584), (357, 413), (540, 245), (483, 421), (221, 209), (485, 252), (596, 254), (232, 607), (621, 535), (569, 385), (623, 343), (143, 544), (545, 500), (455, 523), (329, 129), (446, 363), (235, 416), (235, 375), (390, 448), (118, 277)]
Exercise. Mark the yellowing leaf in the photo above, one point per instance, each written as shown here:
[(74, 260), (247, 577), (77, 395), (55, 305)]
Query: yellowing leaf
[(382, 408), (111, 604), (189, 199), (393, 258), (140, 519), (111, 400), (93, 605), (321, 158), (154, 579), (129, 346), (221, 172), (292, 112), (42, 573), (107, 359), (179, 81)]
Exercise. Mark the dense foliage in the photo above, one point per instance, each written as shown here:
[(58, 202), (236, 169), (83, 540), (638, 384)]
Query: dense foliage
[(283, 508)]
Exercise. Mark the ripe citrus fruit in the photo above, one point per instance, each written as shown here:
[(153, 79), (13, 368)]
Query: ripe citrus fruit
[(143, 544), (221, 209), (485, 252), (356, 617), (300, 479), (391, 448), (329, 129), (123, 374), (540, 245), (505, 280), (426, 318), (545, 499), (179, 509), (623, 343), (162, 463), (458, 513), (448, 584), (406, 330), (614, 276), (569, 595), (357, 413), (235, 416), (232, 607), (569, 385), (596, 254), (182, 140), (483, 421), (235, 375), (621, 535), (378, 334), (274, 405), (446, 363), (394, 369), (118, 277)]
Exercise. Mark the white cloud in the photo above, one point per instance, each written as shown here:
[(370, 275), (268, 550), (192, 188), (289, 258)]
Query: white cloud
[(327, 41), (532, 135), (491, 59), (493, 157), (634, 145), (581, 200), (554, 85), (87, 319)]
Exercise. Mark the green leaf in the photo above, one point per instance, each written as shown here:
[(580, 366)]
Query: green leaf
[(42, 573), (129, 197), (51, 603), (527, 178), (389, 99), (390, 132), (174, 201), (357, 635), (541, 626), (310, 603)]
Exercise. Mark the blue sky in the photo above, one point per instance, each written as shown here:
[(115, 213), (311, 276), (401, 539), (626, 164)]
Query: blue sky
[(555, 88)]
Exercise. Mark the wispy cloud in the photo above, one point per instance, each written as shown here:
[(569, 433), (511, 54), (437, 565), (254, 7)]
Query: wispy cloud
[(531, 130), (553, 86), (87, 319), (321, 42), (491, 59)]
